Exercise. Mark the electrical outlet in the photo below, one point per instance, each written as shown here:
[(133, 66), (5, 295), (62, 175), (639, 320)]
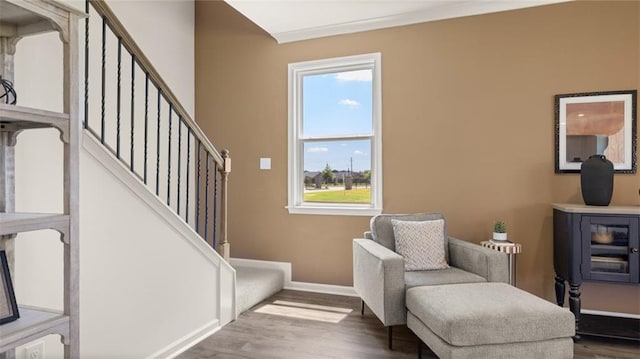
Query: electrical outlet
[(34, 351)]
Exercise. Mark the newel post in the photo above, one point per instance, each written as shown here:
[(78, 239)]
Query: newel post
[(223, 247)]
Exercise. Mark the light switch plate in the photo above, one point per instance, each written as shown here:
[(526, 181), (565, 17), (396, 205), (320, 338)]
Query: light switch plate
[(265, 163)]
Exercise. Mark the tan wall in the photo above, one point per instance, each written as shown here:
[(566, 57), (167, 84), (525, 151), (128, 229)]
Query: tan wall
[(468, 128)]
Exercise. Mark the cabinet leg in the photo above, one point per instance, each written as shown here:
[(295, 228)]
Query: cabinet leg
[(560, 288), (574, 305)]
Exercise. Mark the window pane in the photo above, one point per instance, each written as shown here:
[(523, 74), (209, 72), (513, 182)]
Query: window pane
[(337, 171), (337, 104)]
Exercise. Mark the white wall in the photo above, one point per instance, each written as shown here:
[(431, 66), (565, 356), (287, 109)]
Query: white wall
[(164, 30)]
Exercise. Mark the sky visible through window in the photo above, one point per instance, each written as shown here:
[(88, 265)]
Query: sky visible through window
[(337, 104)]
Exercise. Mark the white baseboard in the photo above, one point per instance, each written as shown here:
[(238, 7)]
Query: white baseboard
[(181, 345), (610, 314), (288, 283)]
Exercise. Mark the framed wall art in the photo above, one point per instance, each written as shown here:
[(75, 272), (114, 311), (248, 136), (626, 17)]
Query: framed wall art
[(602, 123), (8, 305)]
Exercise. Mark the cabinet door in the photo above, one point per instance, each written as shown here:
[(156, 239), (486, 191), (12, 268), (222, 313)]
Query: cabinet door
[(610, 248)]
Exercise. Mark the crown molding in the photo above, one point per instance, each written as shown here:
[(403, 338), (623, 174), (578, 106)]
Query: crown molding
[(452, 10)]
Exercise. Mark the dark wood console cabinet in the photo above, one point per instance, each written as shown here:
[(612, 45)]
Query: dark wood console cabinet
[(592, 243)]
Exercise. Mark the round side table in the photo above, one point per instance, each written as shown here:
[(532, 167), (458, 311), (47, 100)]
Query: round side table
[(512, 251)]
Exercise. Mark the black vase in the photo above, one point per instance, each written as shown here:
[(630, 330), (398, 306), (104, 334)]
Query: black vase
[(596, 180)]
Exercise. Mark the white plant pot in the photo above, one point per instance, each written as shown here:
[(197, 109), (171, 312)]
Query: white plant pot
[(499, 236)]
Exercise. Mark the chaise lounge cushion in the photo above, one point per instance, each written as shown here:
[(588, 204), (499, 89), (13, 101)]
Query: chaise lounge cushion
[(451, 275), (558, 348), (501, 314)]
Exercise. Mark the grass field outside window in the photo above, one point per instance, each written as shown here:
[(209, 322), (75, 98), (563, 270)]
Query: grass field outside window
[(337, 195)]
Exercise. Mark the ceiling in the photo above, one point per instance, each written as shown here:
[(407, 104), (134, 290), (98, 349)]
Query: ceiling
[(295, 20)]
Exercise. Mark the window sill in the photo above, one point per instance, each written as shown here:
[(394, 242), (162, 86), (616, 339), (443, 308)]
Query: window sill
[(335, 211)]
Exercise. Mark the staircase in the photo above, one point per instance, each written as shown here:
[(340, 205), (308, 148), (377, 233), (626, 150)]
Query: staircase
[(134, 114)]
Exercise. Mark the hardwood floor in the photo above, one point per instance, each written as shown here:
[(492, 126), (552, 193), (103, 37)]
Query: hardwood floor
[(305, 328)]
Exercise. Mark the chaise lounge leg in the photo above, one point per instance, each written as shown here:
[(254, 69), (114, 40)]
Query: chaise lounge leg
[(362, 309), (419, 349), (390, 337)]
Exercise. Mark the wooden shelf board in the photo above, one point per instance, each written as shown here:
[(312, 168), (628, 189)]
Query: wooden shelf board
[(24, 222), (33, 323), (600, 249), (20, 18), (17, 21), (26, 117)]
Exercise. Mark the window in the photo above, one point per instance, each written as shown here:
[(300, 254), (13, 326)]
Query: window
[(335, 143)]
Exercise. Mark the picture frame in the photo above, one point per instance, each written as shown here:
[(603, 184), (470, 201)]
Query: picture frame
[(8, 305), (592, 123)]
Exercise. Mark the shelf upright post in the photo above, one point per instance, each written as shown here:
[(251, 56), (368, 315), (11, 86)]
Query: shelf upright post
[(7, 163), (72, 184), (7, 153)]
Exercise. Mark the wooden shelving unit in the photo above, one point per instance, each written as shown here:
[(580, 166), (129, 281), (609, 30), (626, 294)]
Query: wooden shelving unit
[(18, 19)]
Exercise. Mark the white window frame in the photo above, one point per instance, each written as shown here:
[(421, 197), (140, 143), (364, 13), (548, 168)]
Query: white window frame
[(297, 71)]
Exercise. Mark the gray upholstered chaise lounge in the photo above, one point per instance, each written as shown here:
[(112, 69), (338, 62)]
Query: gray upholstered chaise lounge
[(379, 275), (455, 311)]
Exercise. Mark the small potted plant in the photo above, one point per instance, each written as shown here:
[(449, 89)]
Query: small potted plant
[(499, 231)]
